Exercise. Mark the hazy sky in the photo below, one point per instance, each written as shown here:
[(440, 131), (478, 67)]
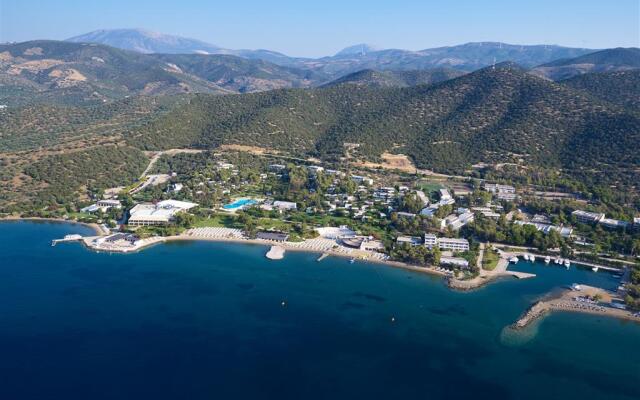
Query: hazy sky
[(317, 28)]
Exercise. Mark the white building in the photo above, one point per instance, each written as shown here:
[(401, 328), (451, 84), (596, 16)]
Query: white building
[(277, 167), (362, 179), (502, 192), (333, 233), (430, 240), (456, 222), (314, 169), (423, 197), (285, 205), (410, 240), (454, 261), (404, 214), (587, 217), (613, 223), (103, 205), (496, 188), (162, 213), (429, 211), (453, 244), (446, 243), (564, 231)]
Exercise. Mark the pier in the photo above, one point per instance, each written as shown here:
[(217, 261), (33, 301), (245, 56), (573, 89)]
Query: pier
[(322, 257), (67, 238)]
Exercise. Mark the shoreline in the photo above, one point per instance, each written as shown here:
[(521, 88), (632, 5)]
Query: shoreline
[(566, 302), (535, 312), (97, 229)]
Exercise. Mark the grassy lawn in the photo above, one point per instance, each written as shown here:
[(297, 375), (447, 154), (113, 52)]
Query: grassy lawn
[(217, 221), (490, 260)]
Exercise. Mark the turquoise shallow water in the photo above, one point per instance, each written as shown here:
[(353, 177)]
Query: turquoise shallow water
[(202, 320)]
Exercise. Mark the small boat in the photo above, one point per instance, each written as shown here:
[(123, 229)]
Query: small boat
[(595, 269), (557, 260), (513, 259), (532, 258), (567, 263), (547, 260), (351, 261), (526, 257)]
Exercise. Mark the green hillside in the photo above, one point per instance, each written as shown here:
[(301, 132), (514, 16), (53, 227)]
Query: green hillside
[(386, 79), (622, 88), (501, 115)]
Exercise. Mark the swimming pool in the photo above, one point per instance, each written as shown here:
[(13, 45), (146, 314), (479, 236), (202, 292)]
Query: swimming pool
[(240, 203)]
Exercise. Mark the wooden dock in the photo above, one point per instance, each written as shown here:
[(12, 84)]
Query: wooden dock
[(322, 257)]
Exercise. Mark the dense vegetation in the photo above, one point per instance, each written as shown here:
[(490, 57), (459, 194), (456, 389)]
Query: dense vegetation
[(622, 88), (67, 177), (382, 79), (32, 127), (500, 115)]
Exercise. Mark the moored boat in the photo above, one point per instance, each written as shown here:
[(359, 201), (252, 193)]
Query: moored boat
[(595, 269), (547, 260), (513, 259)]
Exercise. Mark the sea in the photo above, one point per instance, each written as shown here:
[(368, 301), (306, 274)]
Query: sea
[(204, 320)]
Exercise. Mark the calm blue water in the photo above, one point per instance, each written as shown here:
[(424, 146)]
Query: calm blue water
[(197, 320), (239, 204)]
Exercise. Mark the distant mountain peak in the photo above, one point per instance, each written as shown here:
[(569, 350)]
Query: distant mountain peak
[(357, 49), (145, 41)]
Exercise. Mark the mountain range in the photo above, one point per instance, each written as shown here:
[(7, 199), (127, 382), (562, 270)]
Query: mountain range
[(81, 73), (466, 57), (609, 60)]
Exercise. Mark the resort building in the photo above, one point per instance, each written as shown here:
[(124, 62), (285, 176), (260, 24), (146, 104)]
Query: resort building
[(445, 198), (456, 222), (362, 179), (453, 244), (613, 223), (103, 205), (486, 212), (587, 217), (454, 262), (162, 213), (502, 192), (429, 211), (423, 197), (314, 169), (410, 240), (564, 231), (430, 240), (405, 214), (272, 236), (334, 233), (285, 205), (277, 167)]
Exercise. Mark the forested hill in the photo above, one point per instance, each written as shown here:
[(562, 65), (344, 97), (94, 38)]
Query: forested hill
[(383, 79), (499, 115), (622, 88)]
